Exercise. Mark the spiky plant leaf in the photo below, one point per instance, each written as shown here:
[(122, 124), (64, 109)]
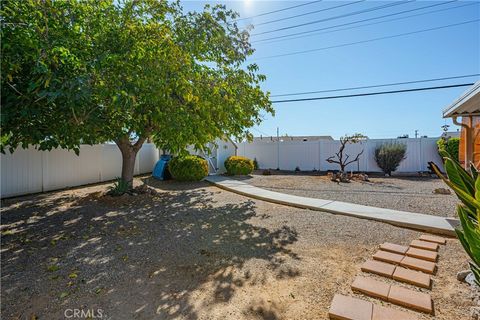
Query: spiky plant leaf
[(459, 177)]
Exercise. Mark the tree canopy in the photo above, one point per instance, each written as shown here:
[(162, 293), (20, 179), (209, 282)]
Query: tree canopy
[(85, 72)]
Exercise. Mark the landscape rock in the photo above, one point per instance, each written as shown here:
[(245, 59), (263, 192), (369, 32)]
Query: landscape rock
[(142, 189), (442, 191), (475, 313), (470, 279), (462, 275)]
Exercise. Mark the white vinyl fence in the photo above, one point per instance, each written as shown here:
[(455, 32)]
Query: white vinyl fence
[(29, 170), (312, 155)]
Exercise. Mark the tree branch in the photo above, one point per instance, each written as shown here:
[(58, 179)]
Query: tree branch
[(356, 158)]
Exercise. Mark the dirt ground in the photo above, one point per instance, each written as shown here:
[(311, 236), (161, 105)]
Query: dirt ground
[(191, 252), (405, 193)]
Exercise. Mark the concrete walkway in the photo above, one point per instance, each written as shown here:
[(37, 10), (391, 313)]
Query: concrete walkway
[(418, 221)]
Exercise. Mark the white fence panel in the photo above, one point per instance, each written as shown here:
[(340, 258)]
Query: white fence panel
[(29, 170), (330, 148), (21, 172), (111, 162), (147, 158), (264, 152), (310, 155), (63, 169), (298, 154)]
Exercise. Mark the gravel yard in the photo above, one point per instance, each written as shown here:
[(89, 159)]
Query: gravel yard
[(195, 252), (414, 194)]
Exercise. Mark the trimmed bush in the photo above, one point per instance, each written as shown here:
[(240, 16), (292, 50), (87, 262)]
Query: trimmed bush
[(451, 146), (388, 156), (188, 168), (236, 165)]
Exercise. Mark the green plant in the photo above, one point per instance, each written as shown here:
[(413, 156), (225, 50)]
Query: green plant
[(255, 164), (87, 72), (119, 187), (389, 155), (188, 168), (451, 146), (466, 185), (237, 165)]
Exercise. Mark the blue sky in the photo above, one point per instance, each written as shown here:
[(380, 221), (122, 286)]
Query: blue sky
[(440, 53)]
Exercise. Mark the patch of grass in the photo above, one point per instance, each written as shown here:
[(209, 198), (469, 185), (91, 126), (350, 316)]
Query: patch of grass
[(53, 268)]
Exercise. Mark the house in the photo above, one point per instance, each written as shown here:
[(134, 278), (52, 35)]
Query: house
[(451, 134), (467, 106), (291, 138)]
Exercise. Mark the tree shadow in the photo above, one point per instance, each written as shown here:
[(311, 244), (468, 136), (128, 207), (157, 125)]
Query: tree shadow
[(137, 256)]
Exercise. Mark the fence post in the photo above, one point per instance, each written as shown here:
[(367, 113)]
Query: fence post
[(421, 155), (366, 154), (319, 155)]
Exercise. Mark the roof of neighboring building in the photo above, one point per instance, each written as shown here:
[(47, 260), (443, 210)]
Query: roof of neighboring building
[(467, 104), (294, 138), (451, 134)]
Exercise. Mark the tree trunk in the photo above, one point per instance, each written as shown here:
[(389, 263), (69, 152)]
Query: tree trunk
[(129, 153), (128, 165)]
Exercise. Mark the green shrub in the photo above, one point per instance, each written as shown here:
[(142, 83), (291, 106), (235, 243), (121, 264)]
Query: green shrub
[(466, 185), (388, 156), (119, 187), (450, 146), (188, 168), (255, 164), (236, 165)]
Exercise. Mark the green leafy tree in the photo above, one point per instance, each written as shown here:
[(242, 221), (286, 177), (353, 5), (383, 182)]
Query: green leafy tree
[(450, 145), (85, 72)]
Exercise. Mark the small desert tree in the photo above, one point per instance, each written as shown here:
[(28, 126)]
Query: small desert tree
[(86, 72), (389, 155), (343, 159)]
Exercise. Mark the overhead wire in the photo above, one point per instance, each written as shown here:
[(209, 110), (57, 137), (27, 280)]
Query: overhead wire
[(314, 31), (308, 13), (279, 10), (374, 93), (367, 41), (388, 5), (378, 85)]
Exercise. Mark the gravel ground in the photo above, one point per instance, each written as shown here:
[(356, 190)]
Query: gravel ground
[(192, 252), (414, 194)]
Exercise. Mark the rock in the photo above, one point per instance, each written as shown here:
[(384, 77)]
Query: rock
[(363, 177), (475, 313), (462, 275), (470, 279), (142, 189), (442, 191)]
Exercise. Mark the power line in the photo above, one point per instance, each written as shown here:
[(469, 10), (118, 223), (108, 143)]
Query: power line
[(335, 17), (377, 85), (374, 93), (308, 33), (366, 41), (307, 13), (279, 10)]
